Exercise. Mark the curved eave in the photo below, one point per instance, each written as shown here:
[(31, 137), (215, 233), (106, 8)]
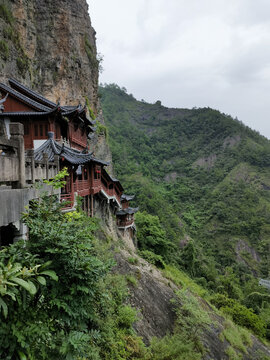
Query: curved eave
[(30, 93), (128, 211), (125, 197), (24, 99), (74, 157)]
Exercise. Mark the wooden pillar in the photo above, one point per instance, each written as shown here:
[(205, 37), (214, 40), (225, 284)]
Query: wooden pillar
[(71, 186), (88, 205), (92, 205)]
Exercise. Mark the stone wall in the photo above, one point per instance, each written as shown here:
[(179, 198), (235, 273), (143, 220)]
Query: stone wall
[(16, 176)]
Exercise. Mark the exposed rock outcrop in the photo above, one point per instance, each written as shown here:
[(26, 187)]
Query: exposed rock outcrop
[(51, 47)]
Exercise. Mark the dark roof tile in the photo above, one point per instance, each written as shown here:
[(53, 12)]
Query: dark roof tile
[(52, 148), (24, 98), (127, 211), (15, 84)]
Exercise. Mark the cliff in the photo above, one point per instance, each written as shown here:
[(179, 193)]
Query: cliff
[(50, 46)]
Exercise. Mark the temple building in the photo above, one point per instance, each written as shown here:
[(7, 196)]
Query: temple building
[(125, 216), (53, 132)]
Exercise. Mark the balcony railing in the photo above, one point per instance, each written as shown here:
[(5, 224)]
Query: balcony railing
[(81, 185), (68, 199), (124, 223)]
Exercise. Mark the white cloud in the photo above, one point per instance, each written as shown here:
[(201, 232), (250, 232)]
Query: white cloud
[(189, 53)]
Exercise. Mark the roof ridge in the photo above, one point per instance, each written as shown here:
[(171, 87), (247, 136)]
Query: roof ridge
[(24, 98), (31, 93)]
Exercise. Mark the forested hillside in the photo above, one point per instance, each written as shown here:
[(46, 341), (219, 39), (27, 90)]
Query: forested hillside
[(202, 181)]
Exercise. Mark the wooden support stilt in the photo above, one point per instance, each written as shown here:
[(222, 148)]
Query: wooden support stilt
[(92, 205)]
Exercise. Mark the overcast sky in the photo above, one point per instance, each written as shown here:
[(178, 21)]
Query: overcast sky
[(189, 53)]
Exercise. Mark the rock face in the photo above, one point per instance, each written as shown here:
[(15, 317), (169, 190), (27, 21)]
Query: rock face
[(151, 297), (50, 46)]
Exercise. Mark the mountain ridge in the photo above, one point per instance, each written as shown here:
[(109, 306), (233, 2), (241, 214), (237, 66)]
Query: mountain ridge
[(205, 175)]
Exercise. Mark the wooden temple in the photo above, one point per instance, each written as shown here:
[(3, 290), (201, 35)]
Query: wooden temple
[(53, 130), (125, 215)]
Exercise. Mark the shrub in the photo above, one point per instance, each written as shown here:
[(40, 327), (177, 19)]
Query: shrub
[(240, 314), (22, 63), (126, 316), (175, 347), (131, 280), (5, 13), (152, 258), (4, 50), (101, 129), (133, 260)]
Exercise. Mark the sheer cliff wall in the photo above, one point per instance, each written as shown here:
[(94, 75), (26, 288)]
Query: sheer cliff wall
[(50, 46)]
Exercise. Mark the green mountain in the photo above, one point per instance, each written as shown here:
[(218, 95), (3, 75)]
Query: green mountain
[(206, 176)]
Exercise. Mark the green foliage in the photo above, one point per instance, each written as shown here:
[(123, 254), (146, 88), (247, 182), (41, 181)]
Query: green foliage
[(10, 34), (240, 314), (22, 64), (81, 315), (126, 316), (238, 338), (205, 176), (57, 181), (91, 112), (131, 280), (152, 258), (180, 278), (176, 347), (133, 260), (101, 129), (4, 50), (150, 234), (95, 63), (5, 12)]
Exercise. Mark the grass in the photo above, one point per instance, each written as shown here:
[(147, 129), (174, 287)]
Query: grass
[(133, 260), (232, 354), (183, 280), (5, 13), (22, 63), (90, 54), (4, 50), (131, 280), (238, 338)]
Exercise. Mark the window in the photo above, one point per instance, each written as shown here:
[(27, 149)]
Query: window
[(36, 130), (41, 130), (26, 129), (97, 172)]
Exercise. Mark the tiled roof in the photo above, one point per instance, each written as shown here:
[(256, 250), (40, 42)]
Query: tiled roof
[(32, 103), (52, 148), (115, 181), (28, 113), (41, 105), (127, 211), (15, 84), (125, 197)]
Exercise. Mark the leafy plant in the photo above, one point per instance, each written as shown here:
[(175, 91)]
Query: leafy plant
[(4, 50)]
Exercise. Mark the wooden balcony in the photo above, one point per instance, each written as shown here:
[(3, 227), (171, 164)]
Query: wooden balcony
[(69, 199), (124, 223), (82, 187)]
